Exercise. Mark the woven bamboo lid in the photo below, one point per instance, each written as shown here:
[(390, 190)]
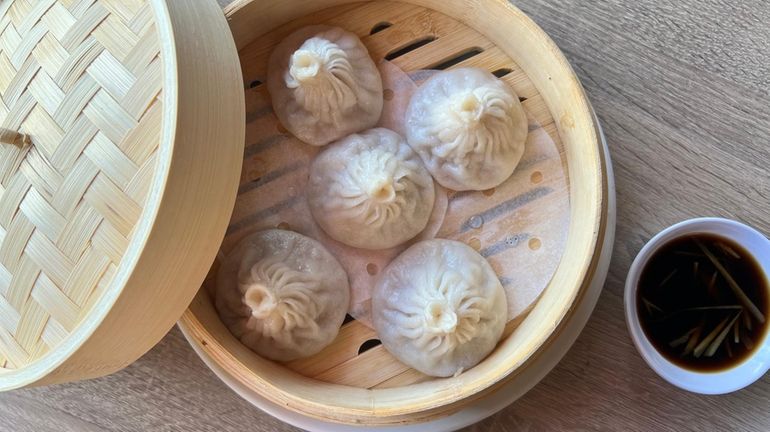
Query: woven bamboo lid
[(122, 127)]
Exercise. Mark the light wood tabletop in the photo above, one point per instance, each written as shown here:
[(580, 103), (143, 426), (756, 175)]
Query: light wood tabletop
[(682, 91)]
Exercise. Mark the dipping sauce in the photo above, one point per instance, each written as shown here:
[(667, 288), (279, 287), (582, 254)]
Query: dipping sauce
[(703, 302)]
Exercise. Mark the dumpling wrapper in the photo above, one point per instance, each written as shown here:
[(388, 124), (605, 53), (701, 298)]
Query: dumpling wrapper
[(468, 127), (282, 294), (323, 84), (370, 190), (439, 307)]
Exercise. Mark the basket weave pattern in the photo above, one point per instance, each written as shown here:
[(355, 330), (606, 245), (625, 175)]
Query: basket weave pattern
[(83, 79)]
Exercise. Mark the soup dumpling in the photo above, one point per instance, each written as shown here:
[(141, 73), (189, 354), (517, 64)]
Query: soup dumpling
[(324, 85), (282, 294), (439, 307), (370, 190), (468, 127)]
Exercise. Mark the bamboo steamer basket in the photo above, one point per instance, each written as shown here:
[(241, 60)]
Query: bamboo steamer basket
[(123, 127), (122, 135), (348, 383)]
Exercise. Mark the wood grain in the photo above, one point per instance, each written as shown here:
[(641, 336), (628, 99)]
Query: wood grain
[(683, 101)]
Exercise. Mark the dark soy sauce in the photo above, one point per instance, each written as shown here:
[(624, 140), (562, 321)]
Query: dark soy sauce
[(692, 313)]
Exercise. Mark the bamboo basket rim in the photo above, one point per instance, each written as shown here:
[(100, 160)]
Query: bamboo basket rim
[(454, 390)]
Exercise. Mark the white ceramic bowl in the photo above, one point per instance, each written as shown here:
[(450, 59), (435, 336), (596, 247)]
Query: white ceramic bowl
[(719, 382)]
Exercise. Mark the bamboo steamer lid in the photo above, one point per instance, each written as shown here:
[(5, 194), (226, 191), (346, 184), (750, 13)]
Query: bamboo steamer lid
[(122, 138)]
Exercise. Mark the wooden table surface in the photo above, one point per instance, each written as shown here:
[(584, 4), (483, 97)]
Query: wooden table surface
[(682, 89)]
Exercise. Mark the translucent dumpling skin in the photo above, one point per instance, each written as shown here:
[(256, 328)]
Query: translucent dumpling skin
[(439, 307), (468, 127), (370, 190), (324, 85), (282, 294)]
